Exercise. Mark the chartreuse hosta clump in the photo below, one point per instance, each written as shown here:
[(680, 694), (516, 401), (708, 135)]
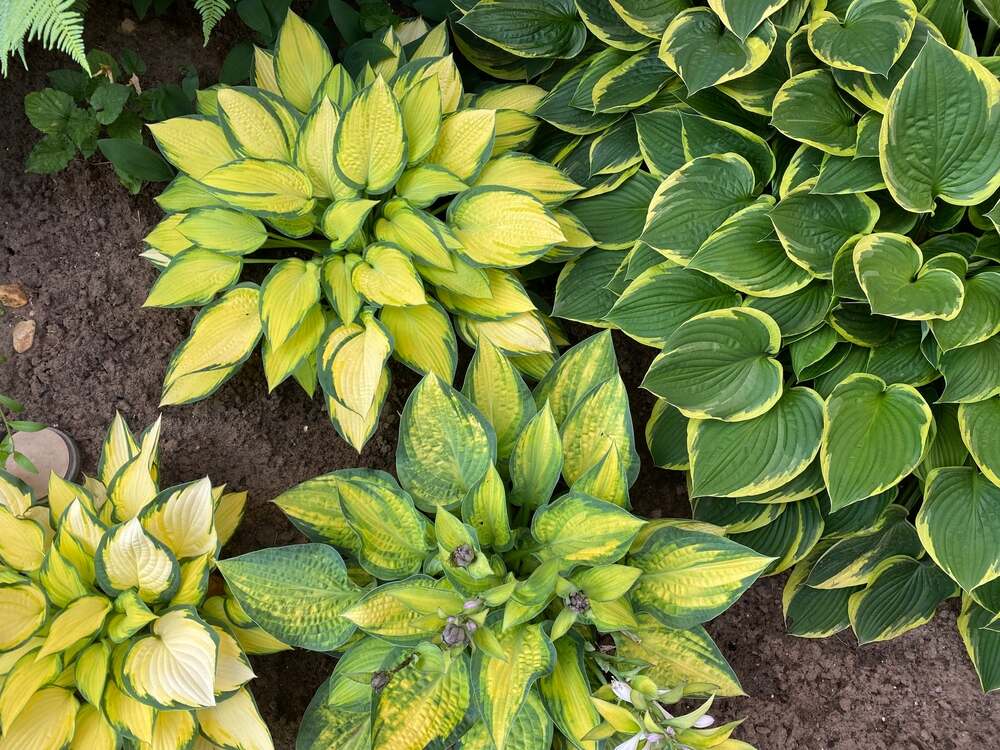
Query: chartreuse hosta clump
[(824, 287), (485, 598), (383, 209), (103, 642)]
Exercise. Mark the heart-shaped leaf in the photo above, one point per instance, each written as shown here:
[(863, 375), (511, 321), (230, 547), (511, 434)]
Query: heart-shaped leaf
[(979, 318), (743, 16), (971, 373), (808, 107), (870, 38), (978, 424)]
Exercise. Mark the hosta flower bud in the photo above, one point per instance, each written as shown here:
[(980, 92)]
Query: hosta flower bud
[(463, 556)]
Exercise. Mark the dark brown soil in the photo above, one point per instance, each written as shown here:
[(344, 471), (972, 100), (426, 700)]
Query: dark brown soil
[(73, 241)]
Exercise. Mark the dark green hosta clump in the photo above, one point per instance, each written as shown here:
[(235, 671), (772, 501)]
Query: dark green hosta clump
[(500, 594), (797, 206)]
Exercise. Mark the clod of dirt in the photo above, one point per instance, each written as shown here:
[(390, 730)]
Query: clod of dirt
[(128, 26), (13, 296), (24, 336)]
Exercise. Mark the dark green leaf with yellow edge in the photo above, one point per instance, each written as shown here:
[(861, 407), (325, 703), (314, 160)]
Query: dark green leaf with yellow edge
[(869, 38), (808, 108), (537, 28), (977, 423)]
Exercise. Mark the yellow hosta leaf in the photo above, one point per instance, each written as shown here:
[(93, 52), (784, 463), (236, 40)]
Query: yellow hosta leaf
[(228, 514), (134, 486), (92, 731), (10, 658), (183, 520), (502, 227), (463, 278), (370, 147), (578, 239), (22, 542), (282, 361), (343, 218), (132, 616), (61, 580), (336, 283), (118, 448), (387, 277), (417, 232), (63, 493), (235, 723), (434, 43), (421, 112), (83, 526), (301, 61), (166, 239), (127, 715), (448, 77), (174, 667), (232, 670), (566, 693), (465, 142), (195, 145), (45, 723), (314, 151), (31, 673), (507, 299), (223, 229), (350, 371), (173, 730), (222, 337), (520, 334), (92, 671), (14, 494), (83, 618), (423, 338), (514, 131), (131, 558), (264, 187), (263, 71), (522, 97), (193, 580), (520, 171), (600, 421), (288, 293), (252, 124), (424, 184), (357, 428)]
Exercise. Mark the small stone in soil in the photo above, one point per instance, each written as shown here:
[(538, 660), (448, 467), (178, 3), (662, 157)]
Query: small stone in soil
[(13, 295), (24, 336)]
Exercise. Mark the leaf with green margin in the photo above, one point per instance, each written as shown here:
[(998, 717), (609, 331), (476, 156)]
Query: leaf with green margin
[(874, 436), (971, 373), (982, 645), (501, 687), (737, 459), (606, 479), (689, 577), (808, 108), (941, 134), (743, 16), (531, 730), (296, 594), (788, 539), (485, 510), (704, 53), (744, 254), (314, 508), (720, 365), (813, 227), (616, 219), (694, 201), (666, 436), (870, 37), (406, 612), (601, 420), (902, 594), (979, 317), (445, 445), (897, 282), (578, 528), (663, 297), (582, 292), (959, 525), (579, 370), (566, 694), (799, 312), (978, 424), (536, 461), (679, 656), (529, 28)]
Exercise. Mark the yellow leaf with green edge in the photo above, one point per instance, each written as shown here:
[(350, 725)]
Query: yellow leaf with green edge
[(46, 722), (263, 71), (165, 240), (577, 528), (194, 277), (420, 109), (485, 509), (417, 707), (406, 612), (606, 479), (232, 668), (508, 297), (92, 731), (578, 371), (530, 730), (118, 448), (129, 558), (387, 276), (15, 495), (566, 694), (10, 658), (546, 182), (501, 687), (289, 291), (689, 577), (22, 542), (600, 421), (174, 729), (264, 187), (465, 142), (81, 619), (337, 287), (423, 338), (173, 667), (223, 229), (370, 145), (356, 428), (536, 460), (222, 338), (194, 144), (193, 582), (235, 723), (32, 672), (301, 61), (461, 276), (282, 361), (229, 509), (134, 486), (502, 227), (127, 715), (524, 333), (417, 232), (351, 362), (62, 582), (92, 671), (182, 518), (252, 125), (344, 218), (423, 184), (448, 76), (314, 508), (314, 151), (297, 594)]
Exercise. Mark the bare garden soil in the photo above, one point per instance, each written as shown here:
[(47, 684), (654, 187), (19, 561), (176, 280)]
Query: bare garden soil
[(73, 241)]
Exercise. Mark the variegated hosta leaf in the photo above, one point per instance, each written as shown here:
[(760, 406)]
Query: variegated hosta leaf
[(235, 722), (183, 518), (600, 422), (134, 486), (981, 643), (578, 528), (977, 424), (195, 145), (92, 730), (423, 338), (869, 38), (530, 29), (566, 692), (688, 577), (264, 187), (531, 729), (286, 295), (789, 538), (301, 62), (406, 612), (82, 618), (297, 594), (979, 317), (22, 541), (128, 557), (369, 148), (46, 722)]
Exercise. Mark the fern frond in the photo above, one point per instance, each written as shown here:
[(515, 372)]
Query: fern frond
[(211, 12), (56, 23)]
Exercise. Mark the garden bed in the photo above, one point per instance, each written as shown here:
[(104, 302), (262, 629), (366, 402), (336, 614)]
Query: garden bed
[(73, 241)]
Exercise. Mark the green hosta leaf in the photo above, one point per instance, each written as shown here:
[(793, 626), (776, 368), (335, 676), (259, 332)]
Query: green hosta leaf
[(734, 516), (445, 445), (297, 594), (616, 219), (814, 613), (737, 459), (694, 201), (971, 373), (808, 108), (941, 135), (537, 28), (536, 460), (531, 729), (869, 38), (599, 422), (580, 370), (609, 27), (979, 317), (406, 612), (898, 283), (666, 436), (743, 16), (902, 594), (704, 136), (789, 538), (582, 292), (720, 365), (874, 436), (502, 687), (978, 428), (982, 644), (577, 528), (689, 577), (704, 53), (631, 83), (959, 525)]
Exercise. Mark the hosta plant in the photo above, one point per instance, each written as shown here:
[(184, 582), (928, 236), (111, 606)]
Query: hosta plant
[(102, 641), (480, 600), (382, 208), (824, 290)]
